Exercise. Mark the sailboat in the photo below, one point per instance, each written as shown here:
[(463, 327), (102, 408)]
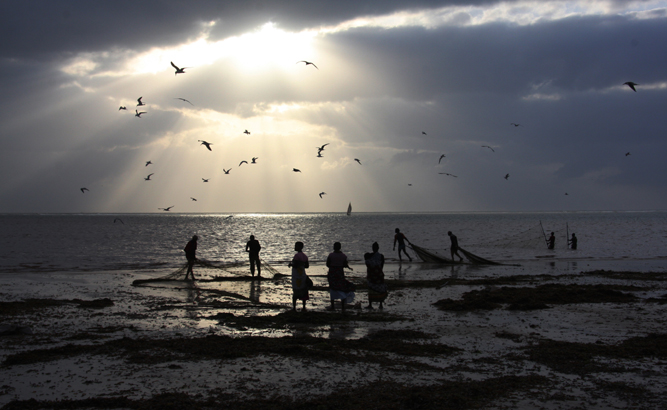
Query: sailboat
[(349, 209)]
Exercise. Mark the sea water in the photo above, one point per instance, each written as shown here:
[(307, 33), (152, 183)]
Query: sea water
[(98, 242)]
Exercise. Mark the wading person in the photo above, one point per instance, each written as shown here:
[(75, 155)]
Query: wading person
[(253, 247), (401, 239), (300, 281), (190, 254), (454, 248), (573, 242), (551, 242), (377, 290), (339, 287)]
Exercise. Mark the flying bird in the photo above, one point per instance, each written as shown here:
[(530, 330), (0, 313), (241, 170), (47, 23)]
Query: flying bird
[(357, 159), (441, 157), (322, 193), (205, 180), (486, 146), (183, 99), (194, 199), (122, 108), (320, 149), (118, 219), (243, 162), (445, 173), (627, 153), (140, 103), (167, 208), (307, 63), (226, 171), (631, 85), (515, 124), (319, 154), (138, 114), (83, 190), (296, 170), (148, 163), (507, 176), (253, 160), (409, 184), (246, 132), (178, 70), (424, 133), (208, 144), (148, 178)]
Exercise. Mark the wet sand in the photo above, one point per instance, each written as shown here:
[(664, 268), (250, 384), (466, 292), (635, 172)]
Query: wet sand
[(543, 335)]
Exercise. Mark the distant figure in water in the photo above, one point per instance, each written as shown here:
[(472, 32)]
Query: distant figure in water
[(339, 287), (454, 248), (300, 281), (573, 242), (253, 247), (377, 290), (551, 242), (400, 238), (190, 254)]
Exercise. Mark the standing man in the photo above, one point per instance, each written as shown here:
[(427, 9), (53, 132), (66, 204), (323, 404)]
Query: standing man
[(400, 238), (573, 242), (190, 252), (253, 247), (454, 249), (551, 242)]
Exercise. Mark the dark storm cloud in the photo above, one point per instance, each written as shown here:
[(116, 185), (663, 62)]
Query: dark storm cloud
[(39, 29)]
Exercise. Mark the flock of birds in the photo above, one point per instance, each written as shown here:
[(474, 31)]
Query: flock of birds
[(320, 149)]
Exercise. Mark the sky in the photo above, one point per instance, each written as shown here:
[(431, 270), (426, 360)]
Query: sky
[(395, 85)]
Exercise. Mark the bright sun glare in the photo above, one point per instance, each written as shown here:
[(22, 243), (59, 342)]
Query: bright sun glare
[(267, 46)]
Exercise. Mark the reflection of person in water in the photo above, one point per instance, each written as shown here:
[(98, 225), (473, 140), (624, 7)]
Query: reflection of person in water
[(253, 247), (573, 242), (190, 254), (454, 248), (551, 242)]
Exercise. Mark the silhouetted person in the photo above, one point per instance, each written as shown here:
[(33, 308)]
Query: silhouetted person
[(454, 248), (300, 281), (551, 242), (573, 242), (253, 247), (190, 254), (401, 239), (377, 290), (339, 287)]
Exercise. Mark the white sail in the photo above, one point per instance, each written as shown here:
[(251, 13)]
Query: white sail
[(349, 209)]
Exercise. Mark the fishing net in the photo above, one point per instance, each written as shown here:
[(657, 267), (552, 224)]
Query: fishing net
[(431, 257), (534, 237), (234, 268)]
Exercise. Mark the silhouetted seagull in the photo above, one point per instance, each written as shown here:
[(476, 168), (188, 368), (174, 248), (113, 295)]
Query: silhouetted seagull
[(243, 162), (409, 184), (138, 114), (118, 219), (307, 63), (246, 132), (319, 155), (140, 102), (445, 173), (205, 180), (627, 153), (320, 149), (148, 163), (208, 144), (515, 124), (322, 193), (486, 146), (194, 199), (441, 157), (226, 171), (631, 85), (167, 208), (357, 159), (567, 193), (148, 178), (83, 190), (507, 176), (424, 133), (296, 170), (253, 160), (183, 99), (122, 108), (178, 70)]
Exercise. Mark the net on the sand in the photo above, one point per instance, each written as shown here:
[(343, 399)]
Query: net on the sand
[(534, 237), (228, 267), (427, 255)]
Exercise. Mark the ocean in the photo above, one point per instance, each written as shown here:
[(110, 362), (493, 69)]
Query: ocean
[(94, 242)]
